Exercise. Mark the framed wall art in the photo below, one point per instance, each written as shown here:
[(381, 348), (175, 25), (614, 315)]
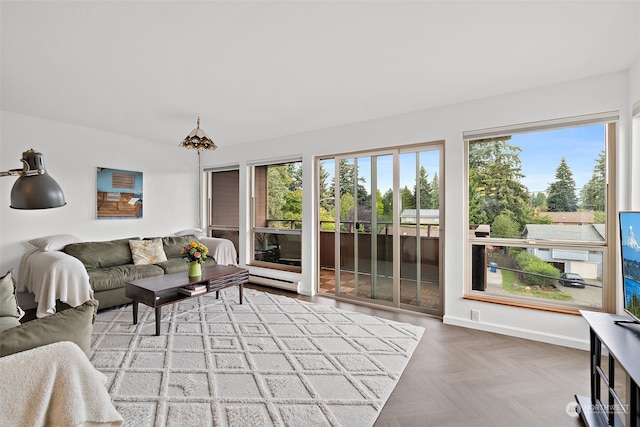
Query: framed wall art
[(119, 194)]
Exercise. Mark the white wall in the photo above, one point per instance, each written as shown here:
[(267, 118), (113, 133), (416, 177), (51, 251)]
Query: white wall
[(71, 156), (170, 184), (604, 93)]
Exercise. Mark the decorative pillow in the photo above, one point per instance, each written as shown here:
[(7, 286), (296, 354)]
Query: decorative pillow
[(190, 231), (8, 302), (147, 251), (54, 242), (73, 324)]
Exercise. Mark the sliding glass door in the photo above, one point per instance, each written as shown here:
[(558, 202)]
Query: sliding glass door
[(375, 245)]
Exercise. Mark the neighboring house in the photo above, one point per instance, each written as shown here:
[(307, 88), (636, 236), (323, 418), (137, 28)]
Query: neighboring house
[(427, 216), (586, 263), (429, 221), (570, 218)]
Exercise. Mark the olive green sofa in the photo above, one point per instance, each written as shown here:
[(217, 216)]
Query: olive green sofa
[(110, 264)]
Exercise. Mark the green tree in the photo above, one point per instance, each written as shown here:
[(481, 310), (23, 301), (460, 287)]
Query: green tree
[(326, 195), (387, 203), (495, 186), (407, 199), (292, 208), (295, 174), (435, 192), (327, 219), (347, 204), (422, 190), (379, 203), (592, 194), (278, 181), (350, 181), (540, 201), (503, 226), (599, 217), (561, 194)]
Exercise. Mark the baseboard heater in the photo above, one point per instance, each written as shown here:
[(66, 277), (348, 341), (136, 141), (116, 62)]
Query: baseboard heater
[(288, 285)]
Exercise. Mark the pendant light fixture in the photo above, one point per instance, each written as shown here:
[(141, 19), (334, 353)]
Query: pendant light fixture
[(199, 140)]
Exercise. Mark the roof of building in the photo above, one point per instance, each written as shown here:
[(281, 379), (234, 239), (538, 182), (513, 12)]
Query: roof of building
[(424, 213), (570, 217), (583, 233)]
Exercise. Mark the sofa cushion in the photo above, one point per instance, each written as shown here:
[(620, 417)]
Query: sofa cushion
[(10, 312), (74, 324), (115, 277), (173, 244), (147, 251), (101, 254)]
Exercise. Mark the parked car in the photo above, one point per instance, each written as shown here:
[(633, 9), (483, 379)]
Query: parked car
[(572, 279)]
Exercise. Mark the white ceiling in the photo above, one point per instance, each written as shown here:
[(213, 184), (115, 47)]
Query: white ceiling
[(256, 70)]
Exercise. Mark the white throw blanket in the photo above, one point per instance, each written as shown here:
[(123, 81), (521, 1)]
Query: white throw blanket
[(54, 385), (53, 275), (222, 250)]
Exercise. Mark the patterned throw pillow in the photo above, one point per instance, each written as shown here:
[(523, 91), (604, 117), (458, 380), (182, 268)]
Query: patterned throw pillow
[(147, 251)]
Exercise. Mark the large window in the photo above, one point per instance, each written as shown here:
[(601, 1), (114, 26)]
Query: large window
[(540, 214), (277, 215)]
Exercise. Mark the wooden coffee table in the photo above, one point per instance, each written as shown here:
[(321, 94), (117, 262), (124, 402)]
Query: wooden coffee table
[(162, 290)]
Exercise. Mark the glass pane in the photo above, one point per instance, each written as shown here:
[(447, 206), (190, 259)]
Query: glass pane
[(419, 228), (366, 257), (327, 216), (558, 275), (278, 214), (346, 202), (381, 227), (542, 185)]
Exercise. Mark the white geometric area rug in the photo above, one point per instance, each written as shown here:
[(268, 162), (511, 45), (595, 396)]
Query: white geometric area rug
[(272, 361)]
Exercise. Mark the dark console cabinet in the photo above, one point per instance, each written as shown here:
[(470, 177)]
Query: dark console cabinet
[(615, 372)]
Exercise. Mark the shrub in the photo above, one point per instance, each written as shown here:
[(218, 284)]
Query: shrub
[(542, 273)]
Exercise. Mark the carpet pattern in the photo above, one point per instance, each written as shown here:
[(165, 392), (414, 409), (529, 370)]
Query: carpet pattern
[(272, 361)]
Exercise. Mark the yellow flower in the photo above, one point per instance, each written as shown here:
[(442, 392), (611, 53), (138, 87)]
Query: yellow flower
[(194, 244)]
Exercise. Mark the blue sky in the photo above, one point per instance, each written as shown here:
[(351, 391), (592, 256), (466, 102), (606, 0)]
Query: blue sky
[(542, 152)]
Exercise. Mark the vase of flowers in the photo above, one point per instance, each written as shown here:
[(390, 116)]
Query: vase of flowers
[(195, 269), (195, 253)]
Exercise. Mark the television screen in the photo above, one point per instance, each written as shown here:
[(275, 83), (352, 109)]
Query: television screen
[(630, 252)]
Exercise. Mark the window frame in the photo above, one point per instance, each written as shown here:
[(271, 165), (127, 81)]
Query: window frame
[(255, 229), (611, 122), (229, 228)]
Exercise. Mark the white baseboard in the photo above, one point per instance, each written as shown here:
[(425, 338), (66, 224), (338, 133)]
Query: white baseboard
[(529, 334), (289, 285)]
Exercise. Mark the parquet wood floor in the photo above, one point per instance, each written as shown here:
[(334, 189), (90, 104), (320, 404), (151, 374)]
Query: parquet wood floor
[(464, 377)]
